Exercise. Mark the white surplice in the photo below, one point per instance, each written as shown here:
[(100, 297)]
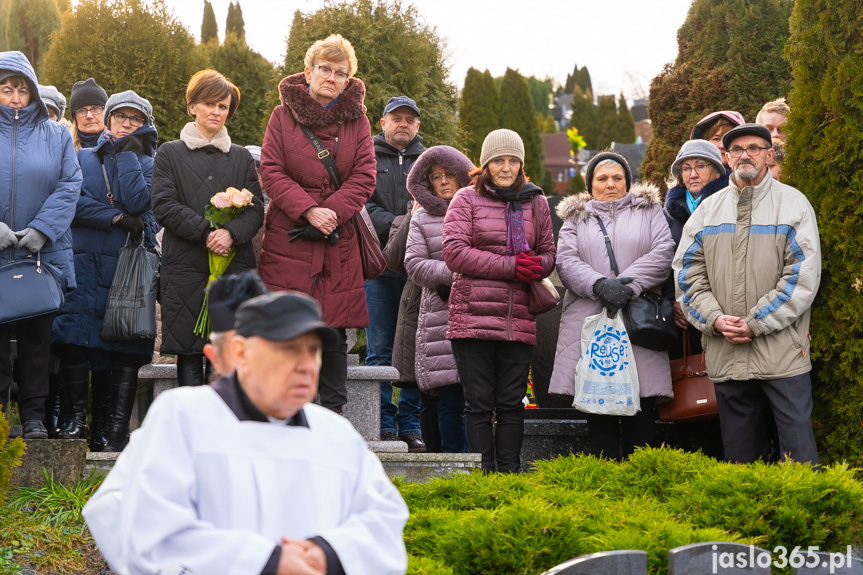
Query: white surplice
[(200, 490)]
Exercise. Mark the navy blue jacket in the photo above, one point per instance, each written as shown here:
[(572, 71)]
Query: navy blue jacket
[(96, 243), (677, 211), (40, 179)]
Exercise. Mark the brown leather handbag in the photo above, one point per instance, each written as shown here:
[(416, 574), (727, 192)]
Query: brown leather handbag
[(542, 296), (694, 395)]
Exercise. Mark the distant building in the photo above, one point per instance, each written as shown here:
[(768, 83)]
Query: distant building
[(639, 110), (644, 130), (556, 148), (634, 154), (561, 110)]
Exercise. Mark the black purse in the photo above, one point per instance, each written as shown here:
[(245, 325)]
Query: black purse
[(649, 318), (28, 289)]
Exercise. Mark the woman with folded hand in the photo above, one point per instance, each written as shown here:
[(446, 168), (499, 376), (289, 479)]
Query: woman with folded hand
[(497, 240), (114, 207)]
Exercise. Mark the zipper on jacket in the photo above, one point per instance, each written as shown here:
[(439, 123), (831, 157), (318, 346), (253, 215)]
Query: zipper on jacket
[(12, 201), (335, 149), (509, 313)]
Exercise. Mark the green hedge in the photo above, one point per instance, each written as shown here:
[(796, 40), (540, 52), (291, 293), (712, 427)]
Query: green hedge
[(658, 500)]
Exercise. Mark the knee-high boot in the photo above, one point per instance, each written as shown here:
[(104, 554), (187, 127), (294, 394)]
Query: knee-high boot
[(100, 409), (124, 388), (190, 369), (76, 381)]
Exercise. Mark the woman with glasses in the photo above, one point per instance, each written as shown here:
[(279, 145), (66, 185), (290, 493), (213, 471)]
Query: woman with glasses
[(433, 181), (114, 205), (310, 241), (497, 240), (88, 105), (187, 173)]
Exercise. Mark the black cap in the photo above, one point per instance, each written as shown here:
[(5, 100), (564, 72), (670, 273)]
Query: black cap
[(227, 293), (282, 316), (87, 93), (746, 130), (602, 156), (400, 102)]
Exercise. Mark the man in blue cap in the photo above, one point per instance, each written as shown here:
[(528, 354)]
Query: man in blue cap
[(396, 149), (247, 475)]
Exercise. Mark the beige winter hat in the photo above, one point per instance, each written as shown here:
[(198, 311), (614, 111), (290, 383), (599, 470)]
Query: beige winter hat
[(499, 143)]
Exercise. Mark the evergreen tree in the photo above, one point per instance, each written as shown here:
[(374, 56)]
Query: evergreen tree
[(584, 117), (398, 54), (29, 24), (583, 80), (235, 23), (725, 62), (540, 93), (4, 14), (254, 76), (824, 160), (478, 112), (127, 45), (209, 28), (517, 114), (625, 132), (606, 120)]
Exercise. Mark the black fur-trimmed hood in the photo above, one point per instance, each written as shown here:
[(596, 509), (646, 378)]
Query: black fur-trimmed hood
[(580, 206)]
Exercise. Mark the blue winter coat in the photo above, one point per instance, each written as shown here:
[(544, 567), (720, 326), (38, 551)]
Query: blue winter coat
[(96, 243), (40, 179)]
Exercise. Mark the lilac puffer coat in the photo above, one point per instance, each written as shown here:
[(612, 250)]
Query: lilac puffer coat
[(424, 261), (486, 302), (643, 249)]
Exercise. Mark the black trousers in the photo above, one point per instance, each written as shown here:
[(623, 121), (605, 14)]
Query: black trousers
[(334, 373), (494, 377), (34, 357), (616, 437), (742, 407)]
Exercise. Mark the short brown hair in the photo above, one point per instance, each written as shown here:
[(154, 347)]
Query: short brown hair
[(211, 86), (16, 81), (777, 106), (334, 48), (719, 123)]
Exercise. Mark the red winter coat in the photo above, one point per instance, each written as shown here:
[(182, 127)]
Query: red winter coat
[(296, 180), (486, 302)]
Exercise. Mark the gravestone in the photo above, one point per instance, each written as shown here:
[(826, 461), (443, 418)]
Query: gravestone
[(719, 557), (625, 562), (64, 458)]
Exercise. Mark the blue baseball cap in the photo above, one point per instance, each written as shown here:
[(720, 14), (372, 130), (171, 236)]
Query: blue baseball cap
[(401, 102)]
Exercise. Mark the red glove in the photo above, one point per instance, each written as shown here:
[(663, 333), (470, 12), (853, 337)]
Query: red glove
[(528, 269)]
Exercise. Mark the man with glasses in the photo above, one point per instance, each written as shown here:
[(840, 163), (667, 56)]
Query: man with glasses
[(747, 270), (396, 149)]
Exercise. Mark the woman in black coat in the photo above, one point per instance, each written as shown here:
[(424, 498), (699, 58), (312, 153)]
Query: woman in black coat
[(188, 172)]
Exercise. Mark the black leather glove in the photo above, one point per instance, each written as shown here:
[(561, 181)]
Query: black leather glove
[(613, 292), (133, 225), (130, 143), (310, 232), (443, 291)]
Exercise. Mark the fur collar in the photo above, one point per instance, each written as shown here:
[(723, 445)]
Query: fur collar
[(675, 199), (293, 92), (419, 185), (582, 205), (194, 139)]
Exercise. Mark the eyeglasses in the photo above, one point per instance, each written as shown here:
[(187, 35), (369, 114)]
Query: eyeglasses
[(136, 121), (438, 176), (700, 167), (753, 151), (95, 110), (326, 71)]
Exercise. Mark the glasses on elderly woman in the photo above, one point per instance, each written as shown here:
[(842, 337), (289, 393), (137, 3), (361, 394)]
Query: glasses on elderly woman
[(136, 121), (700, 167), (95, 110), (437, 176), (326, 72)]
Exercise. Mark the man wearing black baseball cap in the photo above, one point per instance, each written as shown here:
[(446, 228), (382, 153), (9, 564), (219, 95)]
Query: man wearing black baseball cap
[(397, 147), (249, 476), (748, 268)]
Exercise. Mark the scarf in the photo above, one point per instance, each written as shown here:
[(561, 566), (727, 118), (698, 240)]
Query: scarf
[(88, 140), (516, 242), (195, 139), (691, 201)]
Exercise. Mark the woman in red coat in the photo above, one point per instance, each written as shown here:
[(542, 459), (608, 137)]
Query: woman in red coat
[(310, 242), (497, 240)]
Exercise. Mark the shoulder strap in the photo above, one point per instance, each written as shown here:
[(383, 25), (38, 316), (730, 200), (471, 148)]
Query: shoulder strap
[(607, 245), (323, 156)]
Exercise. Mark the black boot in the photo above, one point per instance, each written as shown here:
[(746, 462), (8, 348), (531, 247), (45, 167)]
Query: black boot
[(190, 369), (76, 381), (124, 387), (100, 409), (52, 406)]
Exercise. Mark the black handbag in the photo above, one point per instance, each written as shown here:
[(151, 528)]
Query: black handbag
[(130, 312), (28, 289), (649, 318)]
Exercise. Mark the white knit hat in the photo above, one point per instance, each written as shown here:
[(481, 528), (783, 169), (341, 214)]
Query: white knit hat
[(499, 143)]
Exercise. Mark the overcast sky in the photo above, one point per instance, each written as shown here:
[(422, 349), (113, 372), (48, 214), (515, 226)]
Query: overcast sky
[(624, 43)]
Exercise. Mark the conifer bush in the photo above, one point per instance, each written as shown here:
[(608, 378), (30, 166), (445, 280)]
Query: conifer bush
[(10, 456)]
